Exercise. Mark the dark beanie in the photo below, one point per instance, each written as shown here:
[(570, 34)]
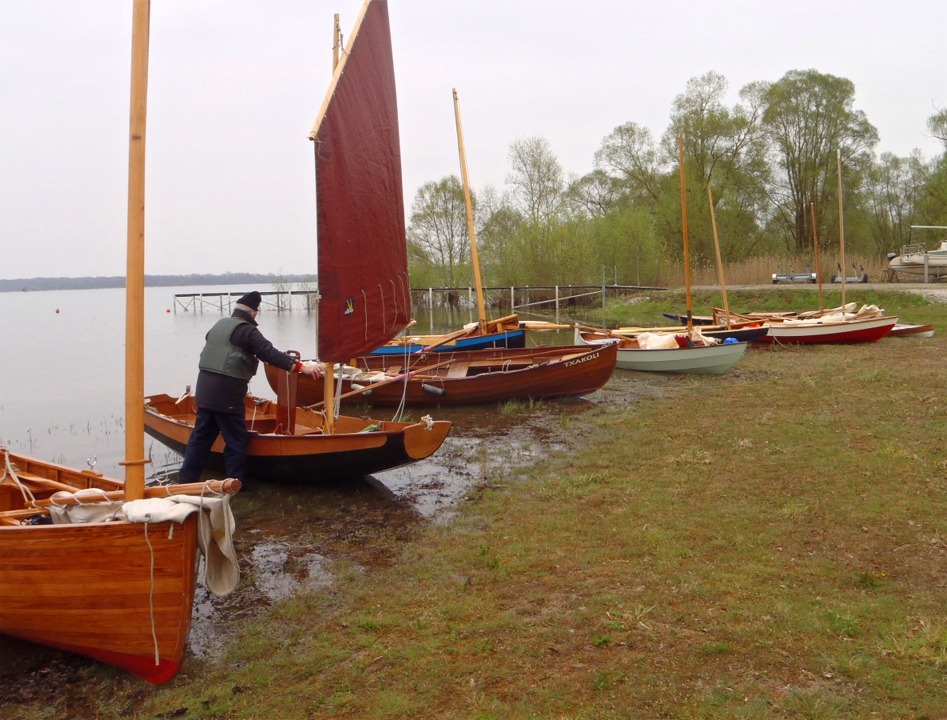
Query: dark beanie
[(251, 300)]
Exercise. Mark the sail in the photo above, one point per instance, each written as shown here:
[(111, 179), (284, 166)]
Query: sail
[(362, 247)]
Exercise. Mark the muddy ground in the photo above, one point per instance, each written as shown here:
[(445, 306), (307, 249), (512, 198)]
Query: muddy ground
[(289, 538)]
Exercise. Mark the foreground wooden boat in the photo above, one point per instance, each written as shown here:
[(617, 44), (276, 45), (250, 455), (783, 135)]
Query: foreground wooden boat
[(467, 378), (99, 567), (691, 359), (116, 591), (284, 448)]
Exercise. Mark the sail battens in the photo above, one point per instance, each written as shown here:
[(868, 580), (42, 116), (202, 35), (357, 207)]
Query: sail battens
[(359, 198)]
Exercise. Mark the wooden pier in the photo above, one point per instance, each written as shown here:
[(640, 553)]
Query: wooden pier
[(539, 299)]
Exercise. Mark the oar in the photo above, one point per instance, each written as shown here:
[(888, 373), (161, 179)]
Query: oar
[(445, 339), (543, 325)]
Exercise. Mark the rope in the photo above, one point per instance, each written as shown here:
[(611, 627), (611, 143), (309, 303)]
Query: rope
[(151, 593), (9, 472)]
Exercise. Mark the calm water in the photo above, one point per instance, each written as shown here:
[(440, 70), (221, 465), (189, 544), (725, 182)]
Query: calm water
[(63, 368)]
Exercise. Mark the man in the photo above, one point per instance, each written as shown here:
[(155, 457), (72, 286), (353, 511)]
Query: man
[(228, 361)]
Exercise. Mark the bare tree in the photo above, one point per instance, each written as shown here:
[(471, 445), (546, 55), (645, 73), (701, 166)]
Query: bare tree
[(438, 230)]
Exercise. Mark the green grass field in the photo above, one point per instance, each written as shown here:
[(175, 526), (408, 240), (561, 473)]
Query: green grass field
[(769, 543)]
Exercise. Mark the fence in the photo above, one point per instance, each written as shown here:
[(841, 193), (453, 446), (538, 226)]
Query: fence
[(540, 299)]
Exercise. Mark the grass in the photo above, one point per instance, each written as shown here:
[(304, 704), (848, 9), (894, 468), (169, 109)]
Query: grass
[(769, 543)]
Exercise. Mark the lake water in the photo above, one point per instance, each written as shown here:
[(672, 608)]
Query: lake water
[(63, 369)]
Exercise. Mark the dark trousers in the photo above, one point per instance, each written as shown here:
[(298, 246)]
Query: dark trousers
[(207, 427)]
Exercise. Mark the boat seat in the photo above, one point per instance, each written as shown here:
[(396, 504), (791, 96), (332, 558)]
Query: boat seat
[(31, 478), (307, 430)]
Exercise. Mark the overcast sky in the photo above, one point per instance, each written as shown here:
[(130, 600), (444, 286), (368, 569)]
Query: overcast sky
[(235, 86)]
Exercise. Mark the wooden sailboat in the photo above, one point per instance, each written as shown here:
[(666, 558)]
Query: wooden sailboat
[(443, 374), (364, 297), (75, 572), (472, 377), (691, 351), (846, 324)]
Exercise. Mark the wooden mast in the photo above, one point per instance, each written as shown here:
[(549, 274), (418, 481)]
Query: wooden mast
[(723, 282), (135, 460), (687, 262), (471, 230), (336, 41), (818, 262), (841, 223)]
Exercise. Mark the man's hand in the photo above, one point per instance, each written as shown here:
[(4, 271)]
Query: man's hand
[(312, 369)]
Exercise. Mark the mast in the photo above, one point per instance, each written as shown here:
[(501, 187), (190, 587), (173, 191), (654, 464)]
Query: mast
[(687, 262), (471, 230), (135, 460), (841, 223), (336, 41), (818, 262), (723, 282)]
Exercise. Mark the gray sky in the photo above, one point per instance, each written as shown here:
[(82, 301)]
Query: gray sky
[(235, 85)]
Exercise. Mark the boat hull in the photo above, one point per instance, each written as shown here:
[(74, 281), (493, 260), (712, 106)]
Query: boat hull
[(357, 447), (917, 260), (706, 360), (696, 360), (817, 332), (105, 590), (474, 377), (915, 331)]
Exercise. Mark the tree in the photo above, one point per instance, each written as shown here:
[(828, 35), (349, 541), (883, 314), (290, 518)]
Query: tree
[(895, 185), (537, 180), (629, 157), (437, 232), (808, 116), (537, 193), (724, 149), (937, 124)]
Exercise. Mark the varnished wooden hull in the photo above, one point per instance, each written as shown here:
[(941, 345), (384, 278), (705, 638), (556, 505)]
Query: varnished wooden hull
[(107, 591), (915, 331), (476, 377), (308, 454)]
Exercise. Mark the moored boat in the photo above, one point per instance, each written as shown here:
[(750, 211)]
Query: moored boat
[(679, 357), (914, 331), (506, 332), (749, 331), (297, 445), (364, 295), (467, 378)]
